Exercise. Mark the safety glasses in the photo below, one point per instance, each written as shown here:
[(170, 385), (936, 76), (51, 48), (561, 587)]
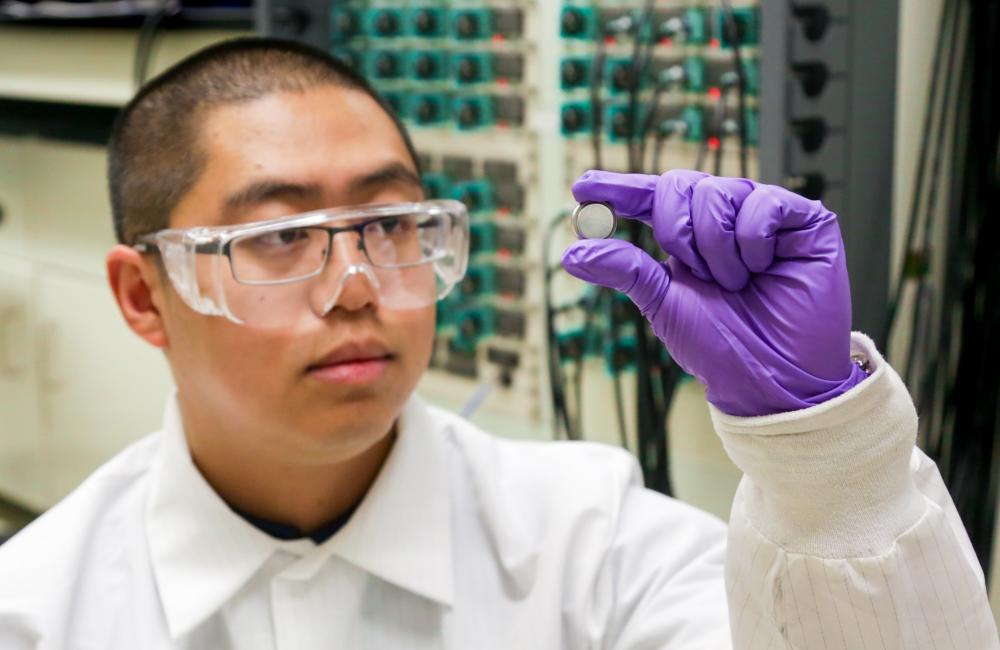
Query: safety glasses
[(276, 273)]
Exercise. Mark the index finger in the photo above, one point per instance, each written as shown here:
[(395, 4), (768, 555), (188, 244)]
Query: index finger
[(629, 195)]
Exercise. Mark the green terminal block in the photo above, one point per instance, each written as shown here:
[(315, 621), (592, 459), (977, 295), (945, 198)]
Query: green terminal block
[(694, 120), (426, 65), (427, 109), (447, 309), (753, 127), (576, 72), (382, 64), (618, 122), (471, 24), (751, 68), (472, 68), (436, 185), (620, 355), (479, 280), (575, 118), (574, 344), (747, 26), (473, 112), (426, 22), (618, 74), (578, 22), (694, 74), (382, 22), (696, 24), (478, 196), (482, 237), (473, 324)]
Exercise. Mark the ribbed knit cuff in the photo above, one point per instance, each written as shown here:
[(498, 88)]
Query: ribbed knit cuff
[(832, 480)]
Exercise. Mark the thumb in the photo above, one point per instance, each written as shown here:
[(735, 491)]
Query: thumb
[(619, 265)]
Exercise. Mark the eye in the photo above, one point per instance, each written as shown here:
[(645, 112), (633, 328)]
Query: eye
[(281, 238)]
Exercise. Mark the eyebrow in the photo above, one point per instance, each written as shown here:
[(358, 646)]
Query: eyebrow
[(266, 190), (271, 189), (395, 173)]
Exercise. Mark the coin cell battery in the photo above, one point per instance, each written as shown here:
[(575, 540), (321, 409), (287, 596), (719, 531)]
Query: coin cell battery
[(594, 221)]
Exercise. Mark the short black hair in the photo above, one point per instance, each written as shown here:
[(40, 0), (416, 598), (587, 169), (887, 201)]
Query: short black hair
[(153, 154)]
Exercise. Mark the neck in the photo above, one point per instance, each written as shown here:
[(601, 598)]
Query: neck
[(266, 483)]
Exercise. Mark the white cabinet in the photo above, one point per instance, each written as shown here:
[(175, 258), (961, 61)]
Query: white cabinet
[(19, 413), (100, 386), (76, 385)]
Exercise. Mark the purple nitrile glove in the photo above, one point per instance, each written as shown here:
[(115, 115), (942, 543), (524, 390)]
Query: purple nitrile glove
[(754, 301)]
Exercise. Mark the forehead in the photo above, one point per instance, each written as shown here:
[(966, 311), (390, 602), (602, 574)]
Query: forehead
[(334, 126), (328, 138)]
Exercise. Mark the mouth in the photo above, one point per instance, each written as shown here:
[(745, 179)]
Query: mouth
[(353, 363)]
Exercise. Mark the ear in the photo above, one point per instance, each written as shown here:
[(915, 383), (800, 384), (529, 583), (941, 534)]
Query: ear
[(137, 286)]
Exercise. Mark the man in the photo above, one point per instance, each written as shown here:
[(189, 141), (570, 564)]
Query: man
[(299, 495)]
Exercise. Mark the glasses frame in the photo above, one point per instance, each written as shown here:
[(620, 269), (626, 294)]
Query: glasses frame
[(218, 241)]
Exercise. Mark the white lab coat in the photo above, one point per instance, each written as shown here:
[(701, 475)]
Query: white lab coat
[(841, 537)]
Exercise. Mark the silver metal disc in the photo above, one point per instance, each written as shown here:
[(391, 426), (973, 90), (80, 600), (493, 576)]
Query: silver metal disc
[(594, 221)]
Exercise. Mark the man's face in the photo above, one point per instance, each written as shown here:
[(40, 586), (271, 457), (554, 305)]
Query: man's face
[(275, 156)]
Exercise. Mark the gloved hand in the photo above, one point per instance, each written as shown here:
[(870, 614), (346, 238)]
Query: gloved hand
[(754, 300)]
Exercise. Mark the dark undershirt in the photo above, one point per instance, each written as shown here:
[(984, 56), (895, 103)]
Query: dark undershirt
[(283, 531)]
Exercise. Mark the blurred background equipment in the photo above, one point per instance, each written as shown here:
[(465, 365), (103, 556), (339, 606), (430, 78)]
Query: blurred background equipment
[(509, 101)]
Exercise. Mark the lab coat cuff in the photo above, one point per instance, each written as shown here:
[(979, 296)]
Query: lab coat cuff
[(833, 480)]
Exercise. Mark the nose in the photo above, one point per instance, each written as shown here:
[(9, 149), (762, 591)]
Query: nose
[(348, 281)]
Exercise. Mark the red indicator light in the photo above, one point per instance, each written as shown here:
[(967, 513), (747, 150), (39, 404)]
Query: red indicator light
[(498, 38), (714, 143), (502, 126), (715, 93), (667, 42), (503, 211), (609, 40), (503, 81), (503, 254), (715, 43)]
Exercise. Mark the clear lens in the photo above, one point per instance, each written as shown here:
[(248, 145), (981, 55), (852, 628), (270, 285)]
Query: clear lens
[(407, 256)]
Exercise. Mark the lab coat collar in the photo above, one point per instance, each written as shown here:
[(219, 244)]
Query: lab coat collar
[(202, 552)]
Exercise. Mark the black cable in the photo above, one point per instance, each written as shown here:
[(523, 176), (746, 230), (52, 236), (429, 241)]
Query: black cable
[(556, 377), (639, 68), (734, 36), (596, 102), (948, 25), (147, 39)]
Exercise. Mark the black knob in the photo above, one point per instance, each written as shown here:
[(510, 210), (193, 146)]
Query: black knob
[(470, 326), (387, 24), (469, 114), (386, 66), (573, 119), (622, 77), (811, 133), (621, 125), (425, 66), (572, 22), (467, 25), (426, 110), (470, 197), (425, 22), (812, 76), (573, 73), (815, 19), (468, 69)]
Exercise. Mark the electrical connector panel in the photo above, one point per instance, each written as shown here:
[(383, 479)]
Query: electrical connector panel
[(497, 95)]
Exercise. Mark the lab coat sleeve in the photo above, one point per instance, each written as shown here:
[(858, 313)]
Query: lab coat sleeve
[(842, 533)]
